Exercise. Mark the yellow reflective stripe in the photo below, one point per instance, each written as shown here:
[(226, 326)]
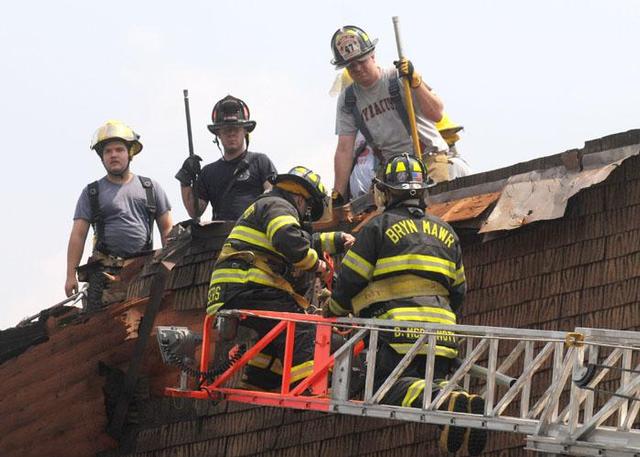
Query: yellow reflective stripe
[(422, 314), (309, 260), (298, 372), (261, 360), (213, 309), (337, 309), (397, 287), (277, 223), (251, 236), (460, 277), (413, 392), (327, 241), (443, 351), (301, 371), (415, 262), (237, 276), (358, 264)]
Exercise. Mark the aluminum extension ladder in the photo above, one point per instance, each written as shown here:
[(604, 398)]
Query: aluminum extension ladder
[(571, 393)]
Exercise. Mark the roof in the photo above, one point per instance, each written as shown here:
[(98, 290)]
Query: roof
[(579, 268)]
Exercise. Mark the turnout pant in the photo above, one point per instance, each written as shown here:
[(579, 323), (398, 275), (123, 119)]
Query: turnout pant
[(265, 370)]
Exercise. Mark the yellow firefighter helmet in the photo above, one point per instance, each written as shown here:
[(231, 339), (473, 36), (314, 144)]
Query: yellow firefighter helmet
[(448, 129), (116, 130)]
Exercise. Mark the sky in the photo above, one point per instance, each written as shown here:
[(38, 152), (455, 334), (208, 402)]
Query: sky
[(525, 79)]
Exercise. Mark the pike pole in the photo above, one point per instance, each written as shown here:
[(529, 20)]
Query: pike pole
[(187, 112), (407, 93)]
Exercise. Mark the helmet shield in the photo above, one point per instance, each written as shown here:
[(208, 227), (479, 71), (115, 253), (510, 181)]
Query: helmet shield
[(232, 112), (302, 181), (113, 130), (350, 43)]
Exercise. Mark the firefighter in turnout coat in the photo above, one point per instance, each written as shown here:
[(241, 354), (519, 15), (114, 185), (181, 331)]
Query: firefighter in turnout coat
[(268, 248), (406, 265)]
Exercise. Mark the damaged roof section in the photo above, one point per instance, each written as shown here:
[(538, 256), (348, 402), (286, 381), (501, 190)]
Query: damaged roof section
[(531, 191)]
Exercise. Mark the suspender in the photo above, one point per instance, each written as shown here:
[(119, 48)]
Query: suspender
[(97, 217), (150, 203), (351, 107), (396, 97)]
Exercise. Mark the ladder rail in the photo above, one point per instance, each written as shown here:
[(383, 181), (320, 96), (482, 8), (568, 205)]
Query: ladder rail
[(565, 417)]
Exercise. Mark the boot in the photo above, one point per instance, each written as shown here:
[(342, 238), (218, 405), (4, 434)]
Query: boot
[(475, 438), (452, 437)]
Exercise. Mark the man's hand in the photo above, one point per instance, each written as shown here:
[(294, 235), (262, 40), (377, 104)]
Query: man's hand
[(71, 286), (406, 70), (190, 170), (337, 199), (322, 267), (347, 240)]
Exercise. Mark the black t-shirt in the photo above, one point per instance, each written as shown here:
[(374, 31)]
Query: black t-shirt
[(215, 177)]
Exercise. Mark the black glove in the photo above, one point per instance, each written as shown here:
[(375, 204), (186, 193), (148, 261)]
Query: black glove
[(190, 170), (406, 70)]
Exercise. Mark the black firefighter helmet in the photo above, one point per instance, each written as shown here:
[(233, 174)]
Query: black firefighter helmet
[(231, 111), (302, 181), (350, 43), (403, 173)]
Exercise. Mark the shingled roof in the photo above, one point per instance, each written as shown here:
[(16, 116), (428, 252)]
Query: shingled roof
[(580, 268)]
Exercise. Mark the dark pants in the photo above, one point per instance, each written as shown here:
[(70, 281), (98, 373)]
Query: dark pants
[(408, 390), (265, 370)]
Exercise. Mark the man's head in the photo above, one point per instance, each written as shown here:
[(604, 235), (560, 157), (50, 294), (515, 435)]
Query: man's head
[(404, 177), (116, 144), (449, 130), (353, 49), (307, 190), (231, 124)]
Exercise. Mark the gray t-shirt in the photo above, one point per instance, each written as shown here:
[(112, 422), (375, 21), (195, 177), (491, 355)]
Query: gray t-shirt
[(125, 213), (384, 122)]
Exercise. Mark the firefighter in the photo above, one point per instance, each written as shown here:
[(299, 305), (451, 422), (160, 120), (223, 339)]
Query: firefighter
[(239, 173), (449, 130), (407, 265), (257, 268), (121, 207)]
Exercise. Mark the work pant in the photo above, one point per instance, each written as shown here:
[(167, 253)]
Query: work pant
[(265, 370)]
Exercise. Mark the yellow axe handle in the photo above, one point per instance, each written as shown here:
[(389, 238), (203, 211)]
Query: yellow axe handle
[(407, 93)]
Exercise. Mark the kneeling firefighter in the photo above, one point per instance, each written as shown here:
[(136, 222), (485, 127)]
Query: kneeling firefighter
[(268, 248), (406, 265)]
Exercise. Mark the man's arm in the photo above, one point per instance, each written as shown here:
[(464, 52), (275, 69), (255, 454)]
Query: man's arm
[(165, 223), (343, 160), (430, 104), (74, 254), (267, 186), (187, 201)]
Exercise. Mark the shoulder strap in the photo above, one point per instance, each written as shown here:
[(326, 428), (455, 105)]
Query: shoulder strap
[(241, 167), (350, 106), (97, 218), (396, 98), (150, 203)]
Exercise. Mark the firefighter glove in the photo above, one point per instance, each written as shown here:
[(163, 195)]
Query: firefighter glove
[(190, 170), (337, 199), (406, 70)]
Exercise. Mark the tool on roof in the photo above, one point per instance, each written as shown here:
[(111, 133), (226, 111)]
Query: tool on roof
[(187, 112)]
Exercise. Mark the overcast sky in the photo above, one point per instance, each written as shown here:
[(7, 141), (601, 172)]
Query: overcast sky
[(526, 79)]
